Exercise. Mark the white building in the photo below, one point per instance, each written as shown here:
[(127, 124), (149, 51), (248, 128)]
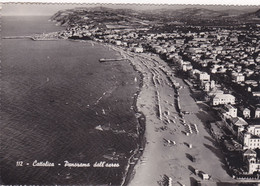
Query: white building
[(252, 137), (207, 86), (257, 113), (253, 164), (195, 50), (254, 129), (204, 76), (246, 113), (117, 42), (179, 41), (171, 49), (257, 94), (251, 141), (231, 110), (186, 65), (238, 77), (212, 84), (138, 49), (215, 92), (222, 99)]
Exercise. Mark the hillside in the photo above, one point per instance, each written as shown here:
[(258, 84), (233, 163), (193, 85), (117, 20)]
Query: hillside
[(190, 16)]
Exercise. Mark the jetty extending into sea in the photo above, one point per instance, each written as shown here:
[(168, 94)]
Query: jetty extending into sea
[(109, 60), (17, 37)]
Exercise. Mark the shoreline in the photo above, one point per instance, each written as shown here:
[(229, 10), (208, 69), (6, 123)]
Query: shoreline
[(141, 120), (156, 68), (156, 90), (149, 76), (156, 80)]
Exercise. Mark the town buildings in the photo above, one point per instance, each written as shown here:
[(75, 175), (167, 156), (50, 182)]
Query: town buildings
[(225, 67), (220, 99)]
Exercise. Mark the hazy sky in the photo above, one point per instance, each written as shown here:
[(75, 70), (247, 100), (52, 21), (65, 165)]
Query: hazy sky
[(32, 9), (50, 9)]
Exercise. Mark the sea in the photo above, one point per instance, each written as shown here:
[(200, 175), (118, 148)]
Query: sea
[(60, 104)]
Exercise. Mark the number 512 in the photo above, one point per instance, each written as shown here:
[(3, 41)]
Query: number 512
[(19, 163)]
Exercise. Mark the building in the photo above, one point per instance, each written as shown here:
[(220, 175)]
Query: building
[(212, 84), (238, 121), (207, 87), (179, 41), (249, 153), (251, 138), (254, 129), (251, 141), (117, 42), (238, 77), (233, 39), (222, 99), (236, 125), (215, 91), (246, 113), (257, 113), (171, 49), (252, 163), (256, 93), (204, 76), (138, 49), (231, 110), (186, 65), (195, 50)]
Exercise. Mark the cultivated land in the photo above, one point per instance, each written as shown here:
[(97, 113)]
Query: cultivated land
[(159, 158)]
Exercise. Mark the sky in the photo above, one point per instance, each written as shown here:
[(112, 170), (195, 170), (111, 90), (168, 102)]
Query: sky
[(212, 2), (32, 9), (39, 9)]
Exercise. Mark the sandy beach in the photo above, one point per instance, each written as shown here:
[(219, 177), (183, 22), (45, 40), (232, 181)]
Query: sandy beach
[(156, 102)]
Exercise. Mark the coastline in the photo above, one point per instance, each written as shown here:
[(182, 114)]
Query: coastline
[(160, 120), (141, 121), (169, 138), (140, 116), (134, 87), (156, 90), (156, 101)]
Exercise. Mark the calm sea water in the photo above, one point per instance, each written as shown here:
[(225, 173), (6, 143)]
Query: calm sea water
[(53, 95)]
